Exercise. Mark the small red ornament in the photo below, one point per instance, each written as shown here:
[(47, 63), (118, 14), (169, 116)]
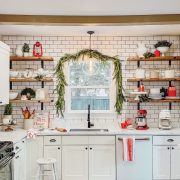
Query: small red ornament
[(157, 53), (37, 49)]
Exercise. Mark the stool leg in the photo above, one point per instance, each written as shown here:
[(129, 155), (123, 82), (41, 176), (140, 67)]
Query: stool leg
[(54, 172), (38, 173)]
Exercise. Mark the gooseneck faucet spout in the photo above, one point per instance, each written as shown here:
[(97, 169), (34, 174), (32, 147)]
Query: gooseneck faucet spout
[(88, 118)]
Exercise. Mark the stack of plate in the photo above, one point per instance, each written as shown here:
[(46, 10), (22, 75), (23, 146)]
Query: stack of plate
[(155, 93)]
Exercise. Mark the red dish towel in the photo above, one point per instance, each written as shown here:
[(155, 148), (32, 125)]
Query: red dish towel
[(128, 149)]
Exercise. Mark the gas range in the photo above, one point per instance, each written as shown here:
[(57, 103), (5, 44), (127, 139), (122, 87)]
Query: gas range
[(6, 153)]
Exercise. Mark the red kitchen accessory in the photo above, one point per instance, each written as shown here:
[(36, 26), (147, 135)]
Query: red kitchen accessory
[(142, 113), (37, 49), (157, 53), (172, 91), (141, 87)]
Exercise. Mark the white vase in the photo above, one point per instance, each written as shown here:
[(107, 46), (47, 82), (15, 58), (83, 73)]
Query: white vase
[(19, 51), (141, 50), (163, 50)]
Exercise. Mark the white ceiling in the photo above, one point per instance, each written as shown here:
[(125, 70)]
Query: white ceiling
[(140, 30), (89, 7)]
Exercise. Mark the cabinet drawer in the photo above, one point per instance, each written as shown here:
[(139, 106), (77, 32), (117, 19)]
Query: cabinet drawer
[(101, 140), (166, 140), (52, 140), (68, 140)]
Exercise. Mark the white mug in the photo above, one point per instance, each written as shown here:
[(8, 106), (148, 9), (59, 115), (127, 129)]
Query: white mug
[(169, 73)]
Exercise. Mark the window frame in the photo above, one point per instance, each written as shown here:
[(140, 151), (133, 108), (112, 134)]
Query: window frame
[(112, 96)]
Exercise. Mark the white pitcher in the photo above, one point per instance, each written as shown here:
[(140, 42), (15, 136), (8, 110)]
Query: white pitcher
[(141, 50)]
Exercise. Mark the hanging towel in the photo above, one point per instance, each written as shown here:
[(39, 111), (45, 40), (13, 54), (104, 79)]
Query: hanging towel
[(128, 149)]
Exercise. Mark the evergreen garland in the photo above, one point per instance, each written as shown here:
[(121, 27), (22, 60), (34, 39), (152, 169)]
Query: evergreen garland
[(61, 81)]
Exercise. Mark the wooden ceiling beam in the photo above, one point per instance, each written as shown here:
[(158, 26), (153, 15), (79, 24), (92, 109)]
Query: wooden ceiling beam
[(89, 20)]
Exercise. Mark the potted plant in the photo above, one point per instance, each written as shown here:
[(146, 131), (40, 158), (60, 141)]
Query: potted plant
[(7, 114), (163, 46), (25, 49)]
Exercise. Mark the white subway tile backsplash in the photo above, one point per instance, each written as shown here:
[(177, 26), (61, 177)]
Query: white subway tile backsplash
[(125, 47)]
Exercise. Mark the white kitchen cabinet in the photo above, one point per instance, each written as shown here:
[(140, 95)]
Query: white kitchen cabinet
[(84, 159), (34, 151), (141, 167), (175, 162), (166, 157), (161, 162), (19, 161), (102, 162), (75, 162), (4, 73), (53, 152)]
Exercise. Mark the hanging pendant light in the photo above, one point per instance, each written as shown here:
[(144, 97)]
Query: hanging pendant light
[(90, 63)]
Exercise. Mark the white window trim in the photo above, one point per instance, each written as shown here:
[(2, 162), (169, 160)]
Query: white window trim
[(80, 113)]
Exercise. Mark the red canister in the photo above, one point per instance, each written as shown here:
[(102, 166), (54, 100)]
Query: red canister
[(157, 53), (172, 91)]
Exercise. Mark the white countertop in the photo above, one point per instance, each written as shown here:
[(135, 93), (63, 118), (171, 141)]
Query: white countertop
[(19, 134), (151, 131), (13, 136)]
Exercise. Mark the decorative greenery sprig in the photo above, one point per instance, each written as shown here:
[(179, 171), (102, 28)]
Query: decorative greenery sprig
[(163, 43), (61, 81), (148, 55), (8, 109)]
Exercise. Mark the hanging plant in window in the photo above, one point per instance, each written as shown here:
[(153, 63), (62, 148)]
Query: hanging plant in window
[(94, 54)]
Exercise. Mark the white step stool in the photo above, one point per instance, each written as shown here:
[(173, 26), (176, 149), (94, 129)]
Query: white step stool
[(50, 162)]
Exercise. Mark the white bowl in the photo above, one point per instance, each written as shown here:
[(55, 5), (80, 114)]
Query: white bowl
[(13, 95), (163, 50)]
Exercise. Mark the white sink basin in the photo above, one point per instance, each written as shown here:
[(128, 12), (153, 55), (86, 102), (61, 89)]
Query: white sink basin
[(88, 130)]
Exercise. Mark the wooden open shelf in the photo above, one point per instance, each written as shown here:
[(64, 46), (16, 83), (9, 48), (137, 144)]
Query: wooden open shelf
[(162, 58), (31, 58), (30, 80), (157, 101), (31, 101), (153, 79)]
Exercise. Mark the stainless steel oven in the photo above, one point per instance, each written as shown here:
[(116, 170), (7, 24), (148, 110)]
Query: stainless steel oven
[(6, 156)]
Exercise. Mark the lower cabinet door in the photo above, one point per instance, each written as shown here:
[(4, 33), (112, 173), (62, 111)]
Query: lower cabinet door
[(102, 162), (53, 152), (17, 167), (74, 163), (175, 162), (161, 162)]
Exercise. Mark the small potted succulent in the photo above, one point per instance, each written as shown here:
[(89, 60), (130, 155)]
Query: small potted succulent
[(7, 118), (25, 49), (163, 46)]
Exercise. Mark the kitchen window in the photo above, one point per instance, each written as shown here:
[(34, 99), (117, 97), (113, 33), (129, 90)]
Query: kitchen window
[(90, 83)]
